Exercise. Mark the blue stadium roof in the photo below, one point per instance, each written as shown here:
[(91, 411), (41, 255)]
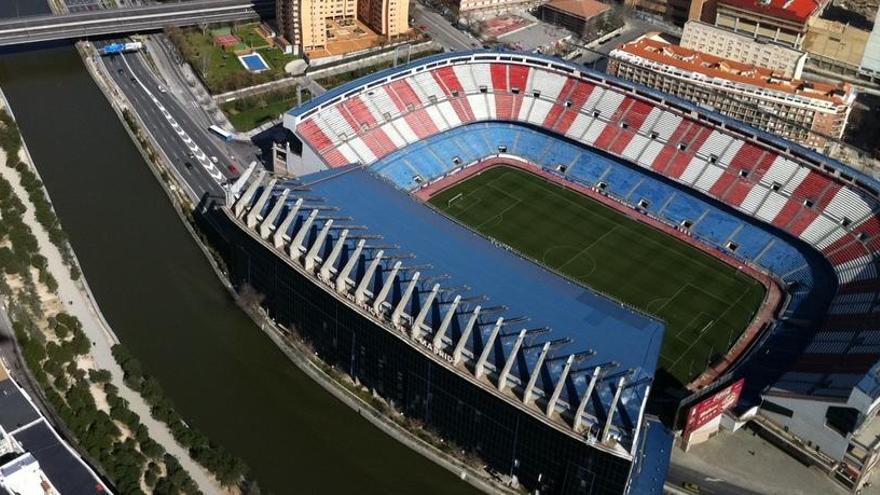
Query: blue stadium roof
[(353, 86), (592, 321), (649, 471)]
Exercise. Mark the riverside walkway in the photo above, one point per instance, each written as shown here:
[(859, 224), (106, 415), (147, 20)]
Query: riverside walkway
[(79, 302)]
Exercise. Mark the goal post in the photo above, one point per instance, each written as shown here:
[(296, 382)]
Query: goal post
[(454, 199)]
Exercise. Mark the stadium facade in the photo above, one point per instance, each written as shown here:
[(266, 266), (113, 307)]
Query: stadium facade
[(545, 380)]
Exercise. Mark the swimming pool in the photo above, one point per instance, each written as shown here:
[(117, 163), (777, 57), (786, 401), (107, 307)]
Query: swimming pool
[(254, 62)]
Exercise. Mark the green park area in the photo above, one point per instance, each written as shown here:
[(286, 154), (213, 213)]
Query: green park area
[(330, 82), (249, 112), (218, 66)]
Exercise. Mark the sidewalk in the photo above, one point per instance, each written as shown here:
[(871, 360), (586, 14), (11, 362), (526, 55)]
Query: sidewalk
[(748, 461), (78, 302)]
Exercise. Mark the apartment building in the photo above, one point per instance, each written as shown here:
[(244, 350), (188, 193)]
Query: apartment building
[(312, 24), (287, 22), (674, 11), (706, 38), (809, 112), (781, 21), (386, 17)]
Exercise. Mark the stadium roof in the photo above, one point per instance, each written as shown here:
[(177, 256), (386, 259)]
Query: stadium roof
[(592, 321), (711, 66), (584, 9), (793, 10)]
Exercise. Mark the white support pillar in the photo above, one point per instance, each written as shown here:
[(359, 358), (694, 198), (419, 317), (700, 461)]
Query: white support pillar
[(505, 372), (327, 265), (360, 294), (612, 408), (404, 300), (243, 178), (342, 276), (437, 343), (578, 416), (261, 202), (386, 288), (278, 237), (487, 350), (248, 195), (560, 384), (312, 255), (416, 328), (296, 245), (465, 335), (266, 226), (536, 372)]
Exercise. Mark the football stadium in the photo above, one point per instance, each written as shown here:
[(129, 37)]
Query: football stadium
[(518, 253)]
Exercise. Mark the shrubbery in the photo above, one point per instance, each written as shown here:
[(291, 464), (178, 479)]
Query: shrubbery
[(229, 469), (10, 141)]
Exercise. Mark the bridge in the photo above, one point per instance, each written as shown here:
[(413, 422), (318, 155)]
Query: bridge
[(129, 20)]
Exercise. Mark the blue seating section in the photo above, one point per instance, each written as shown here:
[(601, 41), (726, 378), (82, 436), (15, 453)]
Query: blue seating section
[(654, 193), (781, 258), (589, 168), (399, 173), (683, 208), (751, 241), (717, 227), (621, 181)]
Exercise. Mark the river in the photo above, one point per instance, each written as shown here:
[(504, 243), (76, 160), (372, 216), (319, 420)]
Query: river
[(163, 300)]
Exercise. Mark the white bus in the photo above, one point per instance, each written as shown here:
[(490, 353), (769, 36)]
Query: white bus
[(227, 136)]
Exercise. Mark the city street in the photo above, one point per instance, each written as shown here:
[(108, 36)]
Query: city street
[(146, 94), (441, 30)]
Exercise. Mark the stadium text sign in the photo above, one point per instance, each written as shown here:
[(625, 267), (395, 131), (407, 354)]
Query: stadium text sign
[(440, 352), (710, 408)]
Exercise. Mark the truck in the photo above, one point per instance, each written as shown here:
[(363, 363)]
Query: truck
[(117, 48)]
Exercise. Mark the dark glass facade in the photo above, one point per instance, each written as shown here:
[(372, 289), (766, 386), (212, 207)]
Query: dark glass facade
[(508, 439)]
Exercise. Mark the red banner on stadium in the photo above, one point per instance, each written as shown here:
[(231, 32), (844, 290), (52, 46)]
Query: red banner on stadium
[(712, 407)]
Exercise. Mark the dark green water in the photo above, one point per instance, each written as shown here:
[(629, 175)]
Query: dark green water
[(164, 302)]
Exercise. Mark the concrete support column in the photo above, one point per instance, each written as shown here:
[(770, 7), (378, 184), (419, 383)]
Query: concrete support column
[(560, 384), (312, 255), (242, 179), (465, 335), (248, 195), (578, 416), (404, 300), (296, 244), (269, 221), (612, 408), (487, 349), (327, 265), (444, 325), (416, 328), (278, 237), (386, 288), (536, 372), (360, 294), (342, 276), (502, 378), (253, 215)]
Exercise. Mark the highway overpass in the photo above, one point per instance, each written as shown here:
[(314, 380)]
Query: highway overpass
[(129, 20)]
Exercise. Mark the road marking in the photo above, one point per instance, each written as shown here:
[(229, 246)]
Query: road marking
[(200, 155)]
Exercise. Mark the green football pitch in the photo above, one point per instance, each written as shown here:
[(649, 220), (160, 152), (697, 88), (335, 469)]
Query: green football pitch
[(705, 303)]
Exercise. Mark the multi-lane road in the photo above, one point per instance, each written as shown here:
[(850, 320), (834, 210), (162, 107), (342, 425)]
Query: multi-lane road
[(441, 30), (190, 148), (148, 17)]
